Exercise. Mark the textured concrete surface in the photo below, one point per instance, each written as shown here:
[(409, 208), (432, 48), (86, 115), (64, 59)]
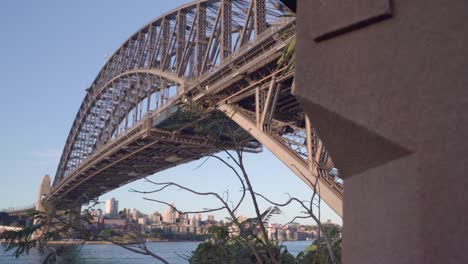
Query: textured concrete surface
[(44, 190), (387, 89)]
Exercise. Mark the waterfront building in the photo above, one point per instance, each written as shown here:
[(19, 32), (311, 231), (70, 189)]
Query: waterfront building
[(302, 235), (198, 217), (170, 215), (183, 219), (127, 212), (156, 218), (174, 228), (112, 208), (135, 214), (272, 231), (196, 220), (117, 225), (142, 221), (291, 234), (192, 229), (183, 229)]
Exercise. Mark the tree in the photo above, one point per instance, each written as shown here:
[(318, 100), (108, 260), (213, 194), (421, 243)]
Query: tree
[(318, 253), (252, 244)]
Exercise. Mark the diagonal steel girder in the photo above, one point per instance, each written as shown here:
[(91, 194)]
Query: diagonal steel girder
[(299, 167)]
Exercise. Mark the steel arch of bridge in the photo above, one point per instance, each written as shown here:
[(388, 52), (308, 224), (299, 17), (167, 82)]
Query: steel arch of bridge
[(218, 54)]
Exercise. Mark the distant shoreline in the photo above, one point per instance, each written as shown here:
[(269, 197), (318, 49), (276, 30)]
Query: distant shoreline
[(79, 242)]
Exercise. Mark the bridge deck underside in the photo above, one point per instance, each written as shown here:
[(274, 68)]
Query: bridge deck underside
[(142, 154)]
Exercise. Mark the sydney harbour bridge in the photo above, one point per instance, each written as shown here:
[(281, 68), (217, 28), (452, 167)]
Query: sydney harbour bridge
[(218, 55)]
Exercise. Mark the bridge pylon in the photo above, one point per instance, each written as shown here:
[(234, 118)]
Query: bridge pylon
[(44, 192)]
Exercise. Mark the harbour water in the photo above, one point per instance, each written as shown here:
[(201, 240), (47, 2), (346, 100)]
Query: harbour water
[(174, 252)]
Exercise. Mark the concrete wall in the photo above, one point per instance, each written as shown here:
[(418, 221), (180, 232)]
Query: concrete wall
[(386, 85)]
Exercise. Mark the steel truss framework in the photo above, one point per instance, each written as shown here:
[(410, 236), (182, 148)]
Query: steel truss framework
[(218, 54)]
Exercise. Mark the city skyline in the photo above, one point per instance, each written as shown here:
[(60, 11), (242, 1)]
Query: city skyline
[(171, 216), (172, 225), (61, 65)]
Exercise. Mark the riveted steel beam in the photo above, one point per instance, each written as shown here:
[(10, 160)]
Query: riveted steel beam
[(260, 16), (333, 198), (226, 31)]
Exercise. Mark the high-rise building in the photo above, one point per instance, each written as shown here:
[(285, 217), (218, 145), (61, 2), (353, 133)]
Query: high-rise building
[(198, 216), (196, 219), (95, 212), (127, 213), (156, 218), (210, 218), (183, 219), (135, 214), (170, 215), (142, 220), (112, 208)]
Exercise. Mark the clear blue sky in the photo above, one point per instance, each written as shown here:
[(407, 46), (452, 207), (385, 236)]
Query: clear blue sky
[(50, 52)]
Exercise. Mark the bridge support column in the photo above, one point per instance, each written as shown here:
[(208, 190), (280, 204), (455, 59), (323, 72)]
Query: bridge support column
[(44, 192), (385, 84), (47, 208)]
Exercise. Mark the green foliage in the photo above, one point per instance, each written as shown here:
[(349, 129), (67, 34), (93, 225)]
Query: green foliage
[(48, 226), (288, 57), (212, 125), (180, 118), (19, 242), (219, 234), (224, 248), (22, 241), (219, 128), (105, 233), (246, 247), (239, 250), (317, 253)]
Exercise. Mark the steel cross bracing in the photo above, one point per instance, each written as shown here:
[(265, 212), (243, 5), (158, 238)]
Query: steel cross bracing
[(271, 114), (220, 55)]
